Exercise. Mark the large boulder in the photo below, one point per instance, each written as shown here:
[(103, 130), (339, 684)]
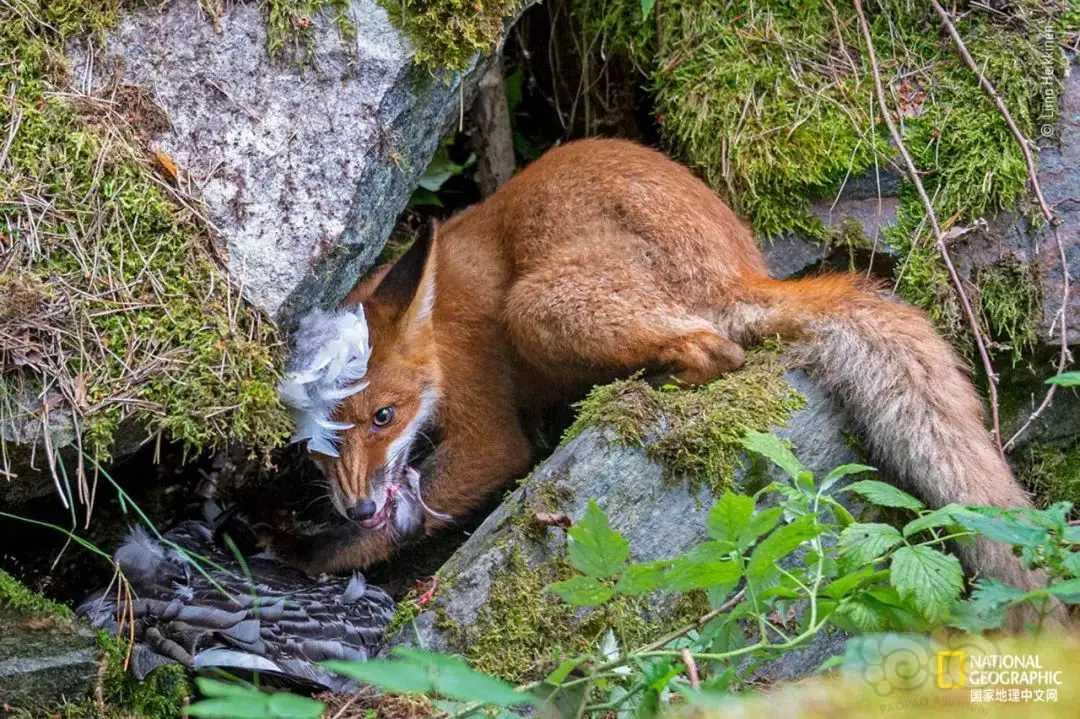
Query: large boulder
[(490, 605), (304, 162)]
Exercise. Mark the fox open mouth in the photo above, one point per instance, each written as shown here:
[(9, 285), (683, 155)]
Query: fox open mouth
[(385, 512)]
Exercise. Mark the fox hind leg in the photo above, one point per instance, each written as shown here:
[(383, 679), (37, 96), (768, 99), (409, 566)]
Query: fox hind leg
[(606, 328)]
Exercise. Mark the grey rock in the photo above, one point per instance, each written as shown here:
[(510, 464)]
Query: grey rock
[(44, 660), (303, 168), (658, 516)]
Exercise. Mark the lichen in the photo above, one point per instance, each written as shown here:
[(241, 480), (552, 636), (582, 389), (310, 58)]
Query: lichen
[(135, 320), (702, 426), (447, 34)]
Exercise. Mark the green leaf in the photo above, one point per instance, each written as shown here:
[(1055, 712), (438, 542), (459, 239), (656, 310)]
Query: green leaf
[(454, 678), (842, 586), (646, 8), (689, 573), (1065, 379), (761, 523), (290, 706), (778, 545), (1004, 529), (932, 579), (1067, 591), (843, 471), (595, 548), (730, 516), (582, 591), (985, 610), (940, 517), (1072, 563), (642, 578), (392, 676), (884, 495), (866, 542), (214, 688), (562, 671), (251, 706), (774, 449)]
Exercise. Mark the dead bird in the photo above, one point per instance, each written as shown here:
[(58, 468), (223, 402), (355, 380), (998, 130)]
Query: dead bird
[(198, 604)]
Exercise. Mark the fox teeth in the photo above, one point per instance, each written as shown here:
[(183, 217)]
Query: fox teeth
[(328, 363)]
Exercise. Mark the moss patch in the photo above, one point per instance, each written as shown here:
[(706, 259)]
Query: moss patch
[(134, 318), (14, 595), (448, 33), (162, 695), (523, 632), (702, 426), (1053, 472), (289, 26), (773, 104), (1012, 305)]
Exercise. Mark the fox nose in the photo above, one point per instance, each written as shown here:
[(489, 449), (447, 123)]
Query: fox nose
[(364, 509)]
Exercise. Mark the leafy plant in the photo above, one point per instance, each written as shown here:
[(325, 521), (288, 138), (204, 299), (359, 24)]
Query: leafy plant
[(438, 173), (777, 568)]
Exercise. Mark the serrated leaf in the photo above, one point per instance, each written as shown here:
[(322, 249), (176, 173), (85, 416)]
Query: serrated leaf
[(687, 574), (646, 8), (863, 616), (931, 579), (595, 548), (1004, 529), (642, 578), (778, 545), (842, 586), (290, 706), (730, 516), (775, 450), (884, 495), (940, 517), (582, 591), (1065, 379), (1072, 563), (866, 542), (842, 471), (761, 523)]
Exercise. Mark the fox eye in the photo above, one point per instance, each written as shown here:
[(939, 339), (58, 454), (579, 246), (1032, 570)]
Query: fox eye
[(383, 416)]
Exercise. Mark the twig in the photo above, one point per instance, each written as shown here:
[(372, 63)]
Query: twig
[(939, 237), (691, 668), (1044, 207)]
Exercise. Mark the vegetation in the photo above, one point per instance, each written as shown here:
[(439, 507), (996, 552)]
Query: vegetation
[(122, 313), (703, 425), (448, 34), (773, 581)]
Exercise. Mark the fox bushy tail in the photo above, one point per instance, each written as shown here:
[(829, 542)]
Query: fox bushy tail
[(906, 390)]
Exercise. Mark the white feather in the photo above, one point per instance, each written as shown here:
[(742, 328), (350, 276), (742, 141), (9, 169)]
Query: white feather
[(329, 359)]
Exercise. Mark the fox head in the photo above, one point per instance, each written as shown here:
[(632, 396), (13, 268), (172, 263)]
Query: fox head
[(362, 424)]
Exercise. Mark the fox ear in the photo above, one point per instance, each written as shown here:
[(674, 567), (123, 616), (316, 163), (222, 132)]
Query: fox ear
[(398, 285), (418, 314)]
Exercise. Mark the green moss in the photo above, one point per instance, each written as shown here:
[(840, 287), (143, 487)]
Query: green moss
[(406, 610), (289, 26), (14, 595), (1053, 472), (523, 632), (1012, 305), (448, 33), (773, 104), (135, 319), (162, 695), (703, 426)]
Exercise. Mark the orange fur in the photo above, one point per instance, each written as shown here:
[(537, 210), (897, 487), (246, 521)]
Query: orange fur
[(603, 258)]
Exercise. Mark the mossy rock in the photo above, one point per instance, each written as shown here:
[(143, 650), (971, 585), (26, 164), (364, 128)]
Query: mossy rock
[(491, 605)]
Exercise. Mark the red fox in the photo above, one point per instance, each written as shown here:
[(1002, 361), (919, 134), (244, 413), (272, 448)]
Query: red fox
[(600, 259)]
